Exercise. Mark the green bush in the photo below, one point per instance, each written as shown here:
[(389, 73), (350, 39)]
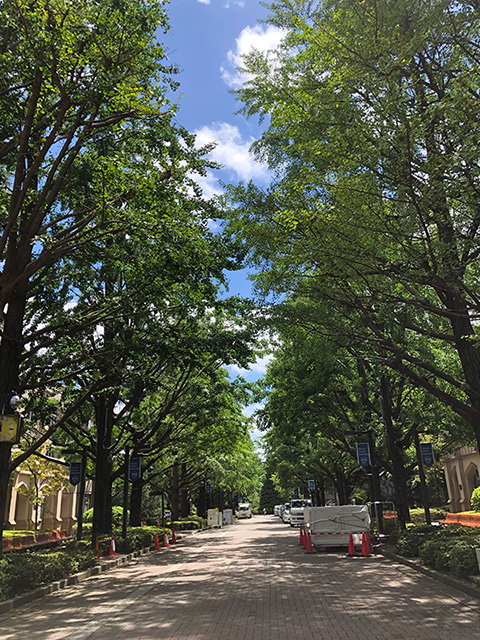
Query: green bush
[(436, 514), (117, 516), (24, 571), (436, 554), (450, 549), (463, 559), (475, 499), (190, 523), (140, 538)]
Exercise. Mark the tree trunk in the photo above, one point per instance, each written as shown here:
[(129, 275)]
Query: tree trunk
[(174, 493), (11, 348), (184, 510), (201, 501), (102, 504)]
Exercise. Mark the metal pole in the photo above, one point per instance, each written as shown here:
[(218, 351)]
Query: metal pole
[(377, 497), (81, 494), (423, 482), (163, 510), (125, 492)]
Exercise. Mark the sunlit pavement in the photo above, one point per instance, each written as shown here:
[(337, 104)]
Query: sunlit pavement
[(250, 581)]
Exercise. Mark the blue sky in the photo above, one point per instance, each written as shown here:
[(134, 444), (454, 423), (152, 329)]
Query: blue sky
[(206, 40)]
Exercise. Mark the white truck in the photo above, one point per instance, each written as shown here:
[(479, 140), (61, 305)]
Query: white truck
[(332, 526), (297, 506)]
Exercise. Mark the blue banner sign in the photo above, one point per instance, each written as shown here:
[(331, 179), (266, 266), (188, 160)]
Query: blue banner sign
[(311, 485), (363, 454), (75, 472), (426, 449), (134, 469), (208, 488)]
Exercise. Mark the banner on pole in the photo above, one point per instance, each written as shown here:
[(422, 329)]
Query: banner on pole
[(426, 449), (363, 454)]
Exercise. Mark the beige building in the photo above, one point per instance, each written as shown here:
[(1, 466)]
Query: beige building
[(463, 476), (58, 512)]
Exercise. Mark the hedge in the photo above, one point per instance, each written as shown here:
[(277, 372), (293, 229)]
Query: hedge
[(450, 549), (26, 570)]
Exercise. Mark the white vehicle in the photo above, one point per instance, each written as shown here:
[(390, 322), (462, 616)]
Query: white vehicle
[(332, 526), (296, 511), (244, 510), (277, 510), (286, 512)]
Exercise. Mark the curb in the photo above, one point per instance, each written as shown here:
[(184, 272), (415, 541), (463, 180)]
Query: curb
[(460, 585)]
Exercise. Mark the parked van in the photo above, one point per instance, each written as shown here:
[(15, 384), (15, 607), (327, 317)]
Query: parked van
[(296, 511), (244, 510)]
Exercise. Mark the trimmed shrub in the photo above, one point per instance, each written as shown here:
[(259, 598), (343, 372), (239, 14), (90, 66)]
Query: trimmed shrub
[(475, 499), (436, 514), (436, 554), (24, 571), (139, 538), (463, 559), (117, 516), (190, 523)]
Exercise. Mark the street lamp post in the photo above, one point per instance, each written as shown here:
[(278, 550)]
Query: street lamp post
[(376, 497)]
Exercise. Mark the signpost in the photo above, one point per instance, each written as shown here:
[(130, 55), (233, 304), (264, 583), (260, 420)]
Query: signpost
[(135, 469), (75, 473), (426, 450), (311, 485), (425, 458), (363, 454)]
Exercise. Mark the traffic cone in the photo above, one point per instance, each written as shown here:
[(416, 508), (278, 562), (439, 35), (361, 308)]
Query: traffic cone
[(309, 548), (301, 536), (157, 543), (351, 546), (174, 538), (304, 539), (165, 540), (369, 543), (111, 553), (364, 546), (98, 552)]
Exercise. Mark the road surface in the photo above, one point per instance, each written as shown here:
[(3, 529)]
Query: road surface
[(250, 581)]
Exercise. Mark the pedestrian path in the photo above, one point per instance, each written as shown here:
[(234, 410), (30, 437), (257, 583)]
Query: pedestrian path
[(250, 581)]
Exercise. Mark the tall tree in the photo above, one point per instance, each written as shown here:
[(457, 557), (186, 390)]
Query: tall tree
[(373, 121), (88, 148)]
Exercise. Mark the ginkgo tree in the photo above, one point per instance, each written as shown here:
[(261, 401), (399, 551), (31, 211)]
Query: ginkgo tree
[(372, 115)]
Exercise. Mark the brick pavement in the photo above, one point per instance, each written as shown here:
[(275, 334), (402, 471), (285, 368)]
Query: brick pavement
[(250, 581)]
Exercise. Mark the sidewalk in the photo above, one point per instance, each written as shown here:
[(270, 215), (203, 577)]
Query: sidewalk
[(250, 581)]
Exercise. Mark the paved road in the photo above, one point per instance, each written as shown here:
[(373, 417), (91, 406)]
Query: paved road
[(250, 581)]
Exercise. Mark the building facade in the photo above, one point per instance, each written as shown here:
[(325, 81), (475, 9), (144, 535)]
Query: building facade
[(462, 476), (58, 511)]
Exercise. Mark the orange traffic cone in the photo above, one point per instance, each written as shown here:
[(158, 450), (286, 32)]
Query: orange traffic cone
[(157, 543), (365, 551), (98, 552), (174, 539), (304, 538), (301, 536), (351, 546), (369, 543), (111, 553), (309, 548), (165, 540)]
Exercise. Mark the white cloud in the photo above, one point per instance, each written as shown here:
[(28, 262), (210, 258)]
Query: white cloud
[(204, 1), (251, 408), (209, 185), (257, 38), (259, 367), (232, 152)]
